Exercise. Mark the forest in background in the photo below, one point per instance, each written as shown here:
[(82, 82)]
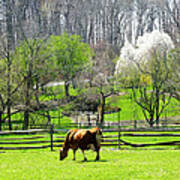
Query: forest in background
[(41, 40), (94, 20)]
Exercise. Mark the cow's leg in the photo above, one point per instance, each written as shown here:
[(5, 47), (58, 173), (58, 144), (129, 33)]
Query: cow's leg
[(97, 156), (85, 159), (74, 154), (97, 148)]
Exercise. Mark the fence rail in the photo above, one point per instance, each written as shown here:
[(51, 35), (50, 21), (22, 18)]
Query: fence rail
[(134, 124), (50, 138), (22, 132)]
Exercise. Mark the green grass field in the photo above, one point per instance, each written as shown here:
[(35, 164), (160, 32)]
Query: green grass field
[(125, 164), (114, 164), (131, 111)]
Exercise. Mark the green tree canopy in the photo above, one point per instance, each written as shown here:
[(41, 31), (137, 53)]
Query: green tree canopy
[(71, 56)]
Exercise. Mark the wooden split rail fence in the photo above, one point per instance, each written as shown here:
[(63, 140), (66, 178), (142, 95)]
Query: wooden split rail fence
[(54, 138)]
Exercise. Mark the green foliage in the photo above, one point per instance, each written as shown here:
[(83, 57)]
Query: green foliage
[(33, 55), (65, 56), (128, 76), (145, 80), (174, 82), (9, 78), (71, 55)]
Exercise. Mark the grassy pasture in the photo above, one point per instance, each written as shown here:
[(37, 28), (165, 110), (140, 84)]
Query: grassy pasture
[(114, 164), (127, 163), (131, 111)]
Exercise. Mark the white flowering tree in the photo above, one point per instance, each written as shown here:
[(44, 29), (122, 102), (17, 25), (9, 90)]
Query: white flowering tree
[(143, 50), (146, 69)]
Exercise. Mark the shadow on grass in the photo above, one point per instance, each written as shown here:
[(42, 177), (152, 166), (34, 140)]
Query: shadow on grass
[(92, 161)]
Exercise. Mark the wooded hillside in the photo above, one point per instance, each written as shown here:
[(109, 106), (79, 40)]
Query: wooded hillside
[(94, 20)]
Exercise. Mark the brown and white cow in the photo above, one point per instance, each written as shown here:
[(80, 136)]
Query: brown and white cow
[(83, 139)]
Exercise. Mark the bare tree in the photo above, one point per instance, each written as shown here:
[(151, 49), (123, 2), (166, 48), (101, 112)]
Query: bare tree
[(6, 51), (148, 69), (102, 75), (10, 81), (32, 54), (153, 101)]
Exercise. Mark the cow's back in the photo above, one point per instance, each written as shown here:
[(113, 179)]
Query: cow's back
[(83, 138)]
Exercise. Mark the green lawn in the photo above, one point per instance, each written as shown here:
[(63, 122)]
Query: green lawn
[(114, 164), (131, 111)]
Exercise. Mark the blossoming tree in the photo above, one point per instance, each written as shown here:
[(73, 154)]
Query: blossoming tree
[(146, 69)]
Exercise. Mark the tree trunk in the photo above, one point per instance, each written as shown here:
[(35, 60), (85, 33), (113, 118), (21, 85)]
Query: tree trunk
[(26, 120), (27, 104), (151, 122), (101, 108), (10, 46), (9, 23), (9, 90), (48, 117), (9, 117), (157, 107), (89, 119), (66, 86), (0, 121)]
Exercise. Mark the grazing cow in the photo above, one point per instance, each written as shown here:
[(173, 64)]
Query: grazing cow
[(83, 139)]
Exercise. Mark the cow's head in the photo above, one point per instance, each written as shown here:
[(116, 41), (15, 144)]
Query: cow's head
[(63, 154)]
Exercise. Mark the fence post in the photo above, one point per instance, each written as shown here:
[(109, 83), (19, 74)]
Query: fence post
[(119, 129), (135, 124), (89, 119), (51, 135), (59, 118)]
